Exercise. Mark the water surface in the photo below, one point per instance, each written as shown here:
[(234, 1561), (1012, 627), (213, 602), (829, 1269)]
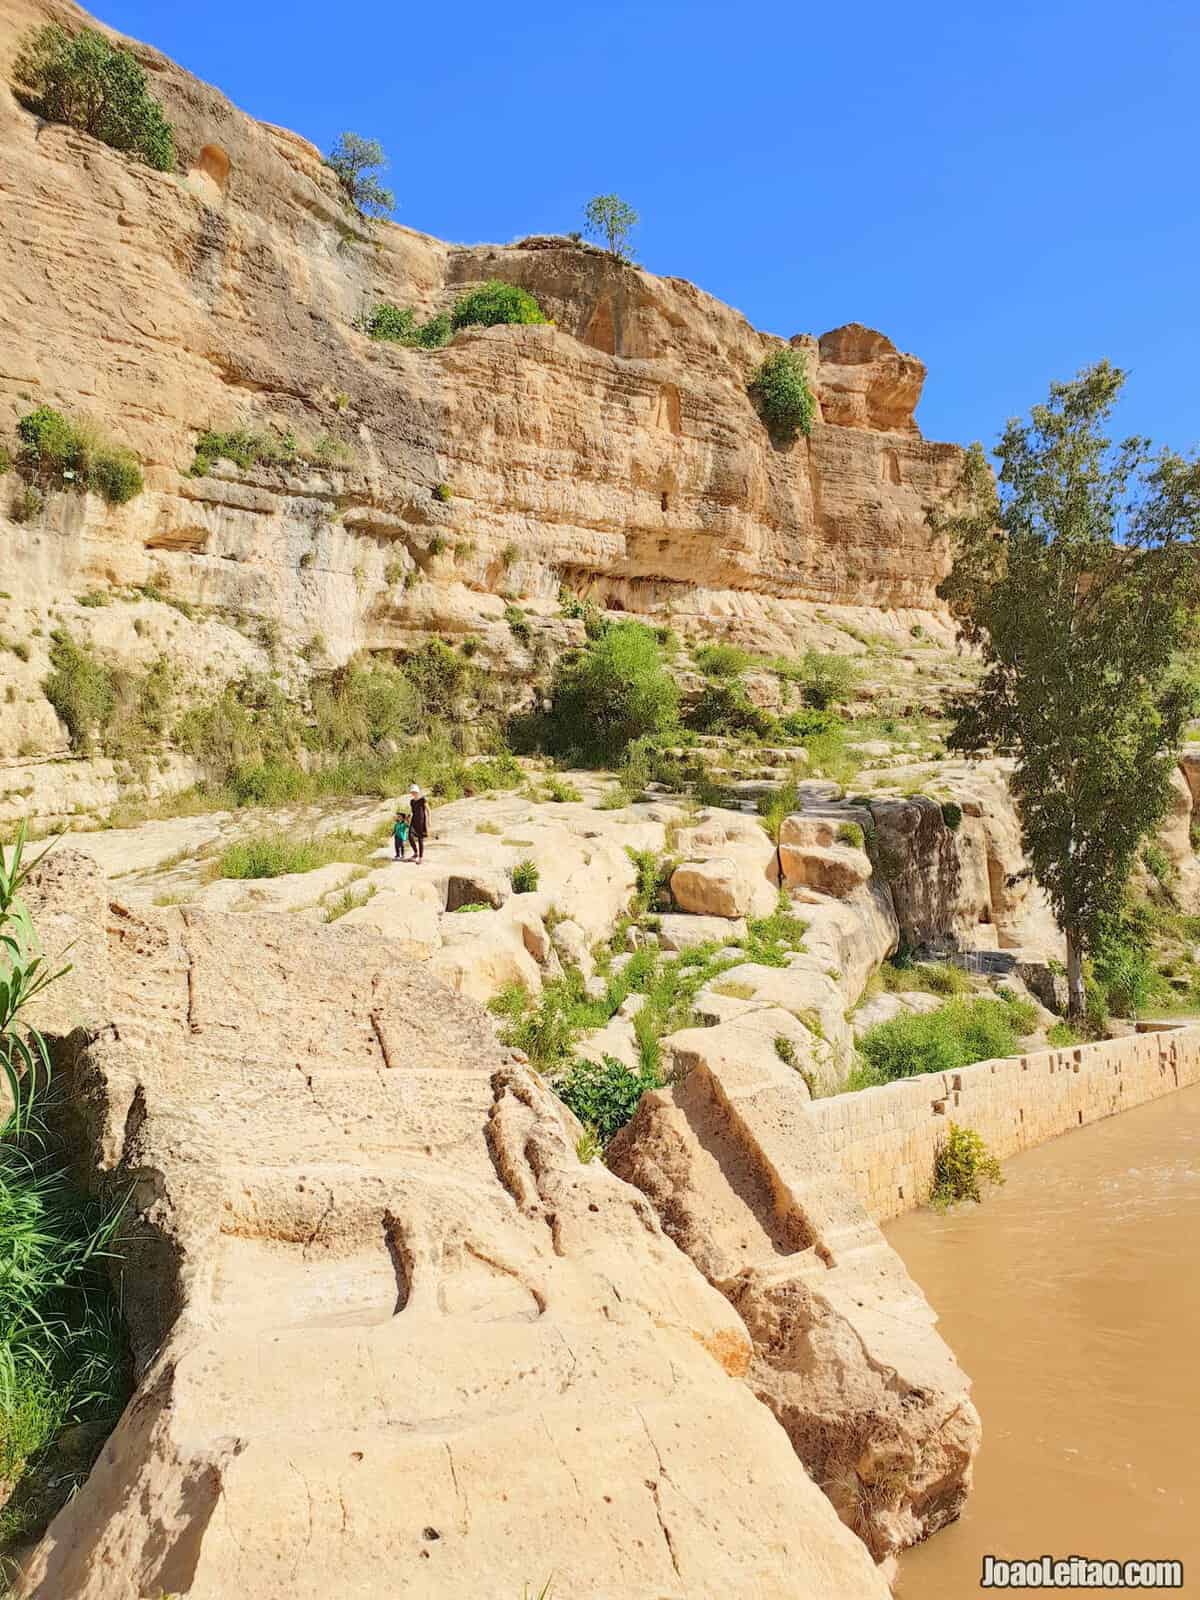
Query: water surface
[(1072, 1299)]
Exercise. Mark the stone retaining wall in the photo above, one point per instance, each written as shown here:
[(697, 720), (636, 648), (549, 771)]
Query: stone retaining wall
[(884, 1140)]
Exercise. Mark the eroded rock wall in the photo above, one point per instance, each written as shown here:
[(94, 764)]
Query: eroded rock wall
[(615, 450)]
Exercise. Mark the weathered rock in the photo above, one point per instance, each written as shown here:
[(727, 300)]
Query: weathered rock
[(677, 932), (836, 869), (845, 1349), (368, 1281), (722, 887)]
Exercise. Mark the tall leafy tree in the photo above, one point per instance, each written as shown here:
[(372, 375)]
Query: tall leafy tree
[(612, 219), (1076, 572)]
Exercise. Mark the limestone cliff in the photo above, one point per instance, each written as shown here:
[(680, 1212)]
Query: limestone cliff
[(615, 451)]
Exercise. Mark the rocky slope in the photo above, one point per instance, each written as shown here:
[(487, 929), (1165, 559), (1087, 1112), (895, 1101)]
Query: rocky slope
[(615, 452), (391, 1335)]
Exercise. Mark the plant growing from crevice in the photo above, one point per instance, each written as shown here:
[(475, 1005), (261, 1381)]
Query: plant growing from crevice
[(962, 1166), (780, 390), (57, 453)]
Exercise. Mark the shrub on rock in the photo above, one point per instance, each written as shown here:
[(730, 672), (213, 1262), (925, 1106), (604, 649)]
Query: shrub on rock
[(89, 83), (494, 303), (780, 390)]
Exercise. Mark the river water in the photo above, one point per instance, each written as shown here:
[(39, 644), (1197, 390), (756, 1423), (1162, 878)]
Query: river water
[(1071, 1297)]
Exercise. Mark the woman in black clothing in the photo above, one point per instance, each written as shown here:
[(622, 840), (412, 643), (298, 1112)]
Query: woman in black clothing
[(420, 821)]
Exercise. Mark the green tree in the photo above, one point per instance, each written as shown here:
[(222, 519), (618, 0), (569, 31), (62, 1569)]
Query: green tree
[(615, 691), (610, 218), (1076, 573), (84, 80), (353, 159)]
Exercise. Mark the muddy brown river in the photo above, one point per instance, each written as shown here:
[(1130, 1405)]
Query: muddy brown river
[(1072, 1299)]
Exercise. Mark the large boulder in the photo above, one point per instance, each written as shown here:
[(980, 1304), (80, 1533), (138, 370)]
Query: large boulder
[(676, 932), (723, 886), (846, 1353)]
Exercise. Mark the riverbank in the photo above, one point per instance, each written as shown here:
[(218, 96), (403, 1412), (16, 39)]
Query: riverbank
[(1070, 1297)]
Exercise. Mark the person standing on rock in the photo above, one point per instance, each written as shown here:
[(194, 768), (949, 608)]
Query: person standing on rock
[(400, 834), (419, 826)]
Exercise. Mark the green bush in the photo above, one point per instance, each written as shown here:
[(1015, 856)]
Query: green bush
[(1062, 1034), (850, 833), (493, 303), (560, 790), (952, 815), (91, 84), (1124, 970), (721, 660), (613, 692), (399, 326), (80, 688), (524, 877), (724, 707), (827, 679), (603, 1094), (63, 454), (941, 1041), (780, 389), (962, 1166), (493, 772)]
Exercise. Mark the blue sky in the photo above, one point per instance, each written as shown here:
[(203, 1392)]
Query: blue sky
[(1009, 190)]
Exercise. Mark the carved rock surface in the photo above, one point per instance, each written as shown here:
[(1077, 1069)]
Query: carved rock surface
[(392, 1337)]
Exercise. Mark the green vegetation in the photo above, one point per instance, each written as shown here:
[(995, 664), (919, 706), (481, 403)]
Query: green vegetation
[(56, 453), (612, 693), (780, 389), (1083, 609), (397, 325), (952, 815), (851, 834), (275, 855), (246, 449), (64, 1373), (962, 1166), (84, 80), (494, 303), (1063, 1034), (80, 688), (828, 679), (357, 163), (942, 1041), (524, 877), (722, 660), (603, 1094), (559, 790), (906, 976), (610, 218)]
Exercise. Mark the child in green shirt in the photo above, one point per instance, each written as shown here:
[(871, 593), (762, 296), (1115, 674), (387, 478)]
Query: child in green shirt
[(400, 835)]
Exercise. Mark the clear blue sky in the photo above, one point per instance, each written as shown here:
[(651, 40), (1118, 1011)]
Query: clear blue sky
[(1010, 190)]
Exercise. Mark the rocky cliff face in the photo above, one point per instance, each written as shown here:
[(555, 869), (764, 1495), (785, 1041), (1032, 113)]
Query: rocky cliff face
[(615, 451)]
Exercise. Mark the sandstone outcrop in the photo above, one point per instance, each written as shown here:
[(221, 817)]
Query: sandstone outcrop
[(391, 1336), (614, 450), (845, 1349)]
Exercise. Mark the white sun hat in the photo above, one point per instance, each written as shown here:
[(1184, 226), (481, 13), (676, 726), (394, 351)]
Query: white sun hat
[(415, 790)]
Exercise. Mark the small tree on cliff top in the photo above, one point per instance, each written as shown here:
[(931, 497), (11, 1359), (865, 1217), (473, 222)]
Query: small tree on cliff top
[(612, 219), (1077, 575), (352, 158)]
